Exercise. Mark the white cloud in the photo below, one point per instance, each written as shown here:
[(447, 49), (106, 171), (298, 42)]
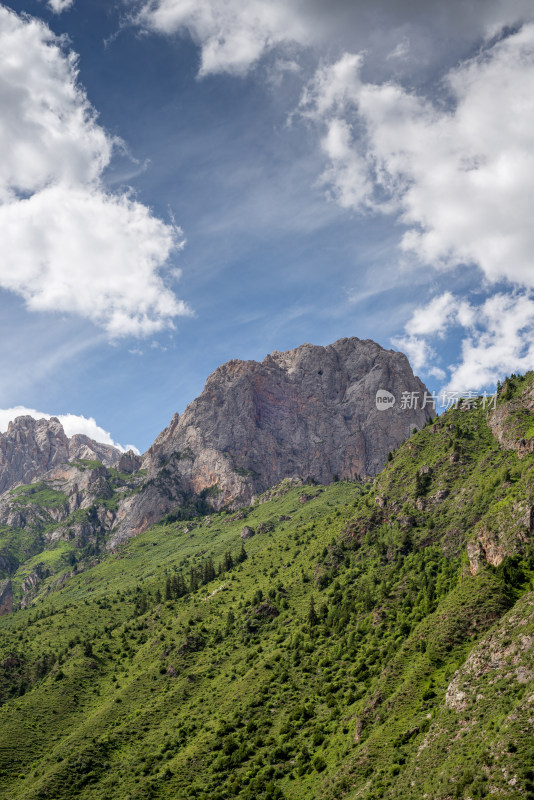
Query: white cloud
[(68, 245), (57, 6), (232, 35), (72, 424), (497, 338), (458, 173), (437, 372), (88, 253), (347, 174), (48, 129), (437, 316), (501, 343), (401, 50), (461, 178), (417, 349), (282, 67)]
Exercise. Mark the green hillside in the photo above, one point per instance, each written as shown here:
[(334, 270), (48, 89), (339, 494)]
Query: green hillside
[(367, 641)]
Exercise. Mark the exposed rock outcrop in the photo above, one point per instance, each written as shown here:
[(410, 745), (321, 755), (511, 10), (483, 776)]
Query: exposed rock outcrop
[(66, 488), (505, 653), (31, 447), (512, 422), (487, 548), (308, 412)]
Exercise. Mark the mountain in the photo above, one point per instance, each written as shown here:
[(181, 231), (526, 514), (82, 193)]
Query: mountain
[(310, 412), (31, 447), (54, 488), (365, 639)]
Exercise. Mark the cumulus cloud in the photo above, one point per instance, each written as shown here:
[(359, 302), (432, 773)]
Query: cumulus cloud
[(57, 6), (419, 352), (501, 342), (460, 178), (439, 315), (72, 424), (69, 245), (233, 35), (84, 252), (497, 338), (457, 172)]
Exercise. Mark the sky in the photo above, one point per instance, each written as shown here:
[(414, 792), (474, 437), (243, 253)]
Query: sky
[(183, 182)]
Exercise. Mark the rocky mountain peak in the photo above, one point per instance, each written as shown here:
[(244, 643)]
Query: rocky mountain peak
[(310, 412), (313, 409), (31, 447)]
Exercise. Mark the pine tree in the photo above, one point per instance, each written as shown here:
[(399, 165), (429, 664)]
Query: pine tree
[(230, 619), (193, 580), (228, 561), (142, 604), (208, 571), (313, 619)]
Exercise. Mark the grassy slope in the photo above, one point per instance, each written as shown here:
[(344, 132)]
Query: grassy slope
[(110, 692)]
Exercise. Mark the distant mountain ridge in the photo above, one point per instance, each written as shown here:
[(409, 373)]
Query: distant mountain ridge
[(31, 447)]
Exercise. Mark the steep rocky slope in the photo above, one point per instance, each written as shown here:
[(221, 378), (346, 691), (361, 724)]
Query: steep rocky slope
[(310, 412), (72, 505), (31, 447)]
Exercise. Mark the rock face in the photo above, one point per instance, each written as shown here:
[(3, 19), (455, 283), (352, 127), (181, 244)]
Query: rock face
[(32, 447), (487, 548), (310, 412)]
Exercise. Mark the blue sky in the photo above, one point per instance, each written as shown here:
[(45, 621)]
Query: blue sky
[(219, 180)]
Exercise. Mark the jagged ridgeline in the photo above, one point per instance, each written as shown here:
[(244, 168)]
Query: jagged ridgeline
[(311, 412), (365, 639)]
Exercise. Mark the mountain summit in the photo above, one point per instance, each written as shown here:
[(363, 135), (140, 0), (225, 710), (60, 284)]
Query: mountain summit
[(311, 411), (31, 447)]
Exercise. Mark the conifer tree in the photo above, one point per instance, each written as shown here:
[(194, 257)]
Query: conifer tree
[(313, 619), (168, 589), (228, 562), (230, 619), (193, 580)]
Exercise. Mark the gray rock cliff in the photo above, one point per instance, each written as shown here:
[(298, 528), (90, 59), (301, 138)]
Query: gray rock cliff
[(311, 412), (31, 447)]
